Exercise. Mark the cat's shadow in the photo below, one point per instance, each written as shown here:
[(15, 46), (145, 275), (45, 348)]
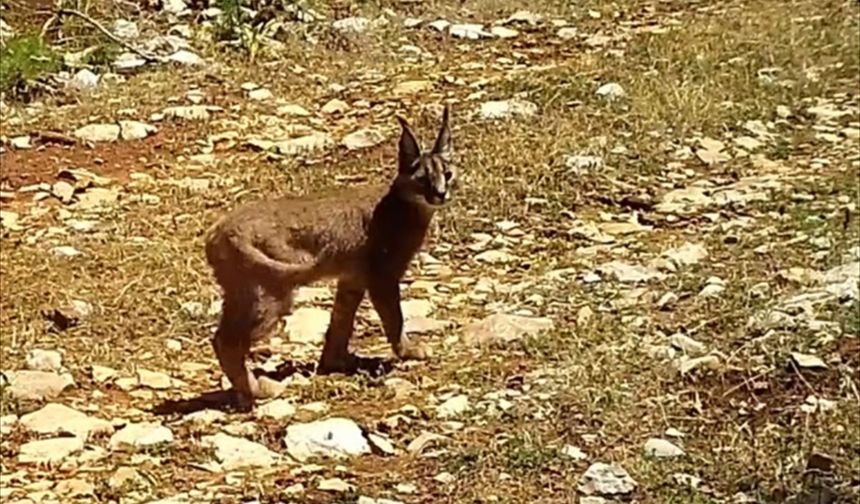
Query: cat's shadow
[(226, 400)]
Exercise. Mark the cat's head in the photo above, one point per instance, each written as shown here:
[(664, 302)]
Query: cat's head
[(426, 178)]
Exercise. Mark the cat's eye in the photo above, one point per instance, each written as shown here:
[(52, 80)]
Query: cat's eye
[(448, 176)]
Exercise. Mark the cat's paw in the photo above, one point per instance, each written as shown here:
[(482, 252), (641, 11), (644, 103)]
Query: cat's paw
[(346, 364)]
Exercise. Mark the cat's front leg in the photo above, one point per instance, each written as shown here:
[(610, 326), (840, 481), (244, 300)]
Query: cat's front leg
[(385, 296)]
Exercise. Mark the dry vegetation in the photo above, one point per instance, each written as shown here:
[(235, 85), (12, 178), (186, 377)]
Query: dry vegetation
[(605, 379)]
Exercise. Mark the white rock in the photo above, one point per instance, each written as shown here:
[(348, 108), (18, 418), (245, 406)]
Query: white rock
[(44, 360), (205, 417), (523, 16), (21, 142), (57, 418), (140, 435), (174, 7), (123, 28), (135, 130), (335, 485), (333, 437), (453, 407), (66, 251), (156, 380), (629, 273), (573, 452), (37, 385), (335, 106), (495, 257), (412, 87), (363, 138), (503, 109), (277, 409), (611, 91), (406, 488), (606, 479), (502, 327), (713, 287), (422, 441), (807, 361), (382, 443), (234, 452), (584, 316), (260, 94), (8, 424), (304, 144), (356, 24), (83, 80), (185, 57), (686, 364), (307, 325), (503, 33), (661, 448), (471, 31), (687, 344), (567, 33), (187, 112), (291, 109), (49, 451), (687, 254), (102, 374), (98, 132)]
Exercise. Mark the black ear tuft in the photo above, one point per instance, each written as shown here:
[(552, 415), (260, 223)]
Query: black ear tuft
[(442, 146), (408, 148)]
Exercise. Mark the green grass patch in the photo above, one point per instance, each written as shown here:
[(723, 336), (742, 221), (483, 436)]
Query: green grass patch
[(24, 59)]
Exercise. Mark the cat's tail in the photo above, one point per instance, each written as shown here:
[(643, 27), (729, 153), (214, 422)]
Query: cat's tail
[(234, 259)]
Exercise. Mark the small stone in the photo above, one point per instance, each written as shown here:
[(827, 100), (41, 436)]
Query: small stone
[(422, 441), (584, 316), (335, 485), (74, 487), (606, 479), (363, 138), (83, 80), (294, 110), (807, 361), (686, 365), (49, 451), (687, 254), (611, 91), (102, 374), (504, 109), (37, 385), (412, 87), (335, 106), (504, 33), (260, 94), (57, 418), (356, 24), (126, 477), (406, 488), (278, 409), (126, 29), (185, 57), (453, 407), (713, 287), (20, 142), (573, 452), (445, 478), (661, 448), (98, 132), (504, 328), (567, 33), (667, 301), (629, 273), (687, 345), (234, 452), (495, 257), (140, 435), (135, 130), (470, 31), (154, 379), (333, 437), (44, 360), (382, 443), (66, 251), (307, 325)]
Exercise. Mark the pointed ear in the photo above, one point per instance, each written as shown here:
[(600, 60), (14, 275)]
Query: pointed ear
[(408, 149), (442, 146)]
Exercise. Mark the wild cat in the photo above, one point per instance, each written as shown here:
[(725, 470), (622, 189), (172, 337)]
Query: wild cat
[(364, 237)]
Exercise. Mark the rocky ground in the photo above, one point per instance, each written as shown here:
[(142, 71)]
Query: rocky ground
[(646, 289)]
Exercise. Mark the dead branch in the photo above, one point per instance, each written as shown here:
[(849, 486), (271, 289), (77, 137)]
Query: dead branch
[(107, 33)]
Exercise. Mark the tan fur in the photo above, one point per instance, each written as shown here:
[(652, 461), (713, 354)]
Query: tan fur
[(363, 237)]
